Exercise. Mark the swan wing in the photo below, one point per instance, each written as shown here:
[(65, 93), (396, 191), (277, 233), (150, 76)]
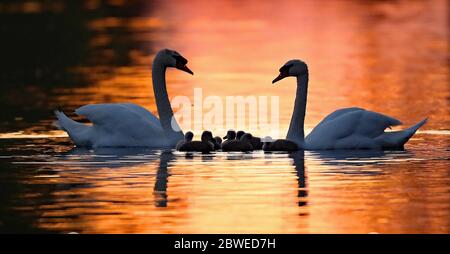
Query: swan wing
[(116, 113), (338, 113), (349, 128)]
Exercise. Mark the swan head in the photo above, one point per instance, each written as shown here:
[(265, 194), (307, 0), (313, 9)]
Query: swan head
[(171, 58), (239, 134), (188, 136), (247, 137), (292, 68), (231, 134), (207, 136)]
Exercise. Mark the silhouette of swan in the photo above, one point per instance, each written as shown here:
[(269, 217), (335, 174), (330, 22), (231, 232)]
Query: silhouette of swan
[(299, 164), (256, 143), (348, 128), (279, 145), (187, 138), (205, 145), (231, 135), (127, 124), (242, 145), (162, 179), (239, 134), (108, 157)]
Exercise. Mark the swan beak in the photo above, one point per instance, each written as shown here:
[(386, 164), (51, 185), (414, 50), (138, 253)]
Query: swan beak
[(225, 137), (280, 77), (185, 68)]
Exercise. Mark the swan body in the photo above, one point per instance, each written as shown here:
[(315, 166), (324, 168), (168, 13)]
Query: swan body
[(255, 142), (348, 128), (127, 124), (242, 145), (118, 124), (357, 128), (239, 134), (284, 145), (205, 145), (197, 146), (231, 135)]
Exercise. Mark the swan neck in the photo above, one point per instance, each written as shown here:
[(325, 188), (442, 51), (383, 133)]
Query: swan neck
[(165, 111), (296, 127)]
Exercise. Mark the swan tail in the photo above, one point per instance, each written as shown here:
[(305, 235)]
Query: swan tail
[(397, 139), (77, 131)]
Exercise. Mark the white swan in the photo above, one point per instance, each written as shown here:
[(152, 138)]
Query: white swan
[(126, 124), (348, 128)]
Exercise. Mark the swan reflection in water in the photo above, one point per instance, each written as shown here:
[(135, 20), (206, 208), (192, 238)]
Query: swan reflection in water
[(340, 161), (299, 164), (358, 162), (336, 161), (110, 157), (162, 178), (298, 161)]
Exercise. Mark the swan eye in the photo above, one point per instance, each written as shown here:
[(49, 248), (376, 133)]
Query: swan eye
[(286, 68)]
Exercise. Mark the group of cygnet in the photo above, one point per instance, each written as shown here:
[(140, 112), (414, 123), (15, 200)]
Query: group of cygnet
[(233, 142)]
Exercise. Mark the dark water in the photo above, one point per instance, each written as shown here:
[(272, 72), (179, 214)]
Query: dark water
[(390, 57)]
